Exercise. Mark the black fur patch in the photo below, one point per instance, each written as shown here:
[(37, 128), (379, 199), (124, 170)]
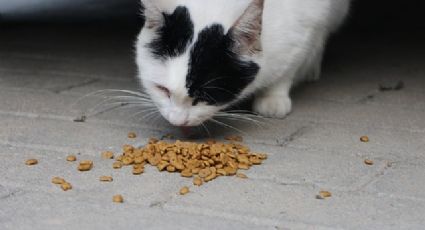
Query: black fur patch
[(216, 74), (174, 35)]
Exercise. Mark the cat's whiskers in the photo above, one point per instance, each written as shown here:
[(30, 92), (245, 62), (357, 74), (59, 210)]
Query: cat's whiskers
[(226, 125)]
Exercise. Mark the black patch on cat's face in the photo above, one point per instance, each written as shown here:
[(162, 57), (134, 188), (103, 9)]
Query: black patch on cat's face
[(174, 35), (216, 74)]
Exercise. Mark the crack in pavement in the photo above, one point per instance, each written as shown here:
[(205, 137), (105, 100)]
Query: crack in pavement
[(78, 85)]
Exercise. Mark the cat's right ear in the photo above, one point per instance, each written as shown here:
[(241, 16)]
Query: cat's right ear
[(152, 14)]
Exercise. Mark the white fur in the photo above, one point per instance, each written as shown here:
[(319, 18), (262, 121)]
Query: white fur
[(293, 38)]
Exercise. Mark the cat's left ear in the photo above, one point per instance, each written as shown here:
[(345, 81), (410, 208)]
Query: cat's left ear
[(246, 32), (152, 14)]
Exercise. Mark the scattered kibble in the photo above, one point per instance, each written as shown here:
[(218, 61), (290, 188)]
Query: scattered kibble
[(203, 162), (71, 158), (364, 139), (323, 195), (241, 175), (106, 179), (85, 165), (66, 186), (118, 199), (185, 190), (107, 155), (31, 162), (368, 162), (58, 180), (131, 135)]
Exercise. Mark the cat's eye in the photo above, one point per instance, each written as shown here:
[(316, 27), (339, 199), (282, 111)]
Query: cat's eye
[(164, 90)]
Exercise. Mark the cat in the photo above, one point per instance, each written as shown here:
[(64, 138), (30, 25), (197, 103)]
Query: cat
[(198, 57)]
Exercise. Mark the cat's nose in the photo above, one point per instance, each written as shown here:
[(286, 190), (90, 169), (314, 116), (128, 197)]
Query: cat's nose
[(178, 118)]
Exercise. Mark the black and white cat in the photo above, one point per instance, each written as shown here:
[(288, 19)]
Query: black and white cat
[(197, 57)]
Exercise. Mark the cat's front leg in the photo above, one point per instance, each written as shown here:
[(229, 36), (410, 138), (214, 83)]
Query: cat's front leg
[(274, 101)]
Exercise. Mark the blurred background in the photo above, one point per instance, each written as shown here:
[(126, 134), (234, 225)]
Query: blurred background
[(366, 15)]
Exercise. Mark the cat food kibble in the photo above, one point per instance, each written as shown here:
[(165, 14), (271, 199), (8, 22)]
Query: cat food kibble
[(66, 186), (106, 179), (364, 139), (241, 175), (197, 181), (31, 162), (117, 165), (185, 190), (107, 155), (368, 162), (131, 135), (323, 195), (118, 199), (71, 158), (85, 165), (58, 180)]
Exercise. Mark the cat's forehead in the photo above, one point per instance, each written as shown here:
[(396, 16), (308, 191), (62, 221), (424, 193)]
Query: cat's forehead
[(206, 12)]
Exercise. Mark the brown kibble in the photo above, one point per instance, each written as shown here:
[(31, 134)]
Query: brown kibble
[(204, 172), (127, 161), (255, 160), (119, 158), (230, 171), (86, 162), (84, 168), (107, 155), (66, 186), (117, 199), (71, 158), (106, 179), (261, 156), (197, 181), (139, 160), (31, 162), (185, 190), (323, 195), (128, 148), (171, 168), (117, 165), (364, 139), (368, 162), (58, 180), (186, 173), (162, 165), (243, 166), (131, 135), (138, 171), (211, 177), (85, 165), (241, 175)]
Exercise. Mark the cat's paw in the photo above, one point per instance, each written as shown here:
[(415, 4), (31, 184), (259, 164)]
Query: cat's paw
[(273, 106)]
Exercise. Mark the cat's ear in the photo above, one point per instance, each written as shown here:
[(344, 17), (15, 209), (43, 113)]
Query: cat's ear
[(152, 13), (246, 31)]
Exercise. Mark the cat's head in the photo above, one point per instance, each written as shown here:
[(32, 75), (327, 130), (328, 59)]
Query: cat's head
[(196, 58)]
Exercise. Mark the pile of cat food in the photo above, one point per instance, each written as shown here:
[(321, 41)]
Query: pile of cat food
[(203, 162)]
